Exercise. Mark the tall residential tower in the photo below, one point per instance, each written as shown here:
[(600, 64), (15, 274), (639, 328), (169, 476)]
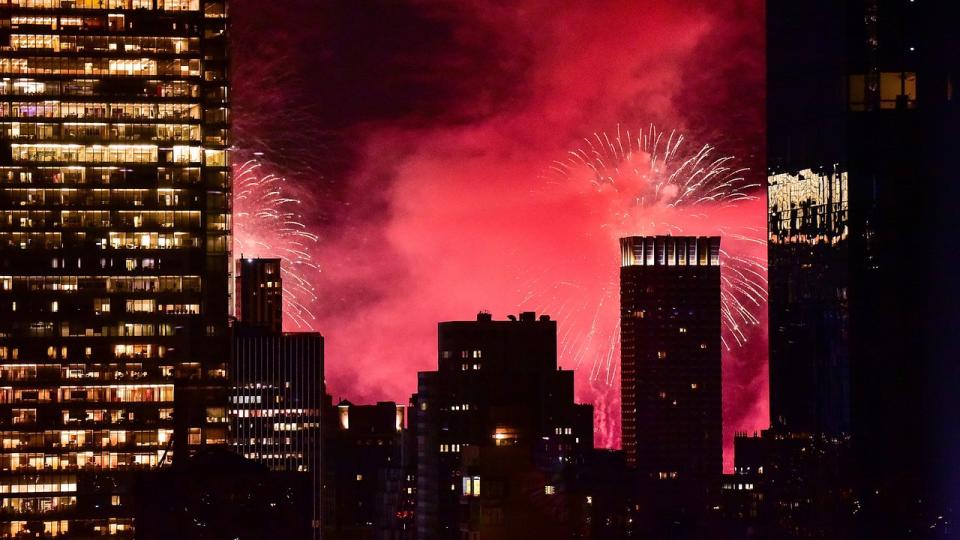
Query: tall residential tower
[(115, 194), (671, 372)]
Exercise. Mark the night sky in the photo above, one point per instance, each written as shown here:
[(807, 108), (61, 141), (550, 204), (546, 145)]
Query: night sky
[(419, 136)]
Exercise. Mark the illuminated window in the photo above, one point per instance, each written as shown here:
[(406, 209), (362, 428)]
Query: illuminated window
[(662, 355), (471, 486), (549, 490), (886, 90)]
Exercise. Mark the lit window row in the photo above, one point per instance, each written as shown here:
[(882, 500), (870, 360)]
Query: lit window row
[(64, 43), (37, 505), (71, 438), (82, 329), (100, 111), (448, 448), (102, 131), (115, 153), (48, 241), (89, 87), (55, 65), (28, 372), (68, 485), (70, 461), (183, 219), (110, 394), (165, 5), (103, 175), (113, 284)]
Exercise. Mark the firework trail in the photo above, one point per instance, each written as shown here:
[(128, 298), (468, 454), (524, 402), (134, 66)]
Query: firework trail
[(267, 223), (648, 183)]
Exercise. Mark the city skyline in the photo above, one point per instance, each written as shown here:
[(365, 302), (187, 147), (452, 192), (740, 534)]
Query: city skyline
[(395, 182), (449, 270)]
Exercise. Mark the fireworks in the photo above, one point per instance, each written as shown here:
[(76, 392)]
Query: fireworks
[(649, 183), (268, 224)]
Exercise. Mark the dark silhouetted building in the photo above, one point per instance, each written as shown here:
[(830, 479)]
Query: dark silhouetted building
[(498, 430), (277, 403), (789, 486), (115, 237), (260, 294), (278, 393), (671, 371), (218, 494), (372, 486), (863, 123)]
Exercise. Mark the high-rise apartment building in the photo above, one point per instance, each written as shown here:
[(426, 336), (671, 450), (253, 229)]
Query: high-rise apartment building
[(115, 194), (670, 365)]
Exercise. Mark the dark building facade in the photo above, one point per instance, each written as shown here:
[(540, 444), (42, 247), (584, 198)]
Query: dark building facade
[(115, 241), (789, 486), (260, 294), (671, 375), (371, 480), (277, 401), (218, 494), (871, 96), (278, 395), (809, 287), (497, 428)]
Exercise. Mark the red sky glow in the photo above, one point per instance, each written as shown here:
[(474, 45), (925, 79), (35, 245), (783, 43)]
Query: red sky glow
[(419, 136)]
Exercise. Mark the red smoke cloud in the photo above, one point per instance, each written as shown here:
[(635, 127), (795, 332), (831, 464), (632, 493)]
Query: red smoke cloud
[(442, 204)]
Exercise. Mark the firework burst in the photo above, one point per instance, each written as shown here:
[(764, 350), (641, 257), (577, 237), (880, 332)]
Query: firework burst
[(267, 223), (648, 183)]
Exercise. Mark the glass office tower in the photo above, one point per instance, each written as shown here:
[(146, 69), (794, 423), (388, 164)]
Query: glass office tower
[(115, 194)]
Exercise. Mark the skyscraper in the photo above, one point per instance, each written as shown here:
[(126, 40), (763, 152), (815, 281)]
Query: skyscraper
[(115, 194), (863, 288), (670, 369)]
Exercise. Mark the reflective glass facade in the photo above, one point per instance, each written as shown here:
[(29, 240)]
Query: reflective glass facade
[(808, 251), (115, 193)]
